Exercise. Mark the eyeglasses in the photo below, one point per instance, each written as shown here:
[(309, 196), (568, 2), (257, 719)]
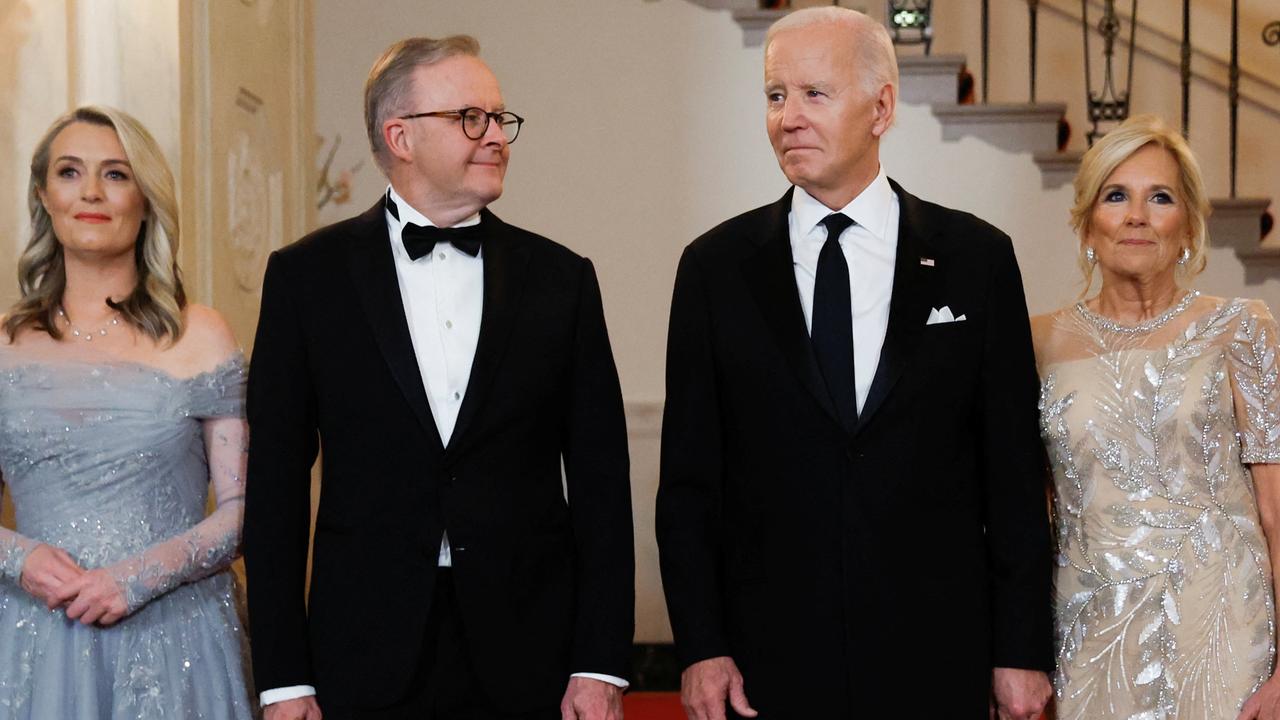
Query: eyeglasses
[(475, 121)]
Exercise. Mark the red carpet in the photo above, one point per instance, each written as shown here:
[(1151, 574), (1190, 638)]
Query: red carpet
[(655, 706), (652, 706)]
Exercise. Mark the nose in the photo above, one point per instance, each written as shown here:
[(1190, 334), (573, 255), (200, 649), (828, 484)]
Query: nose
[(493, 134), (91, 188), (1137, 212), (793, 116)]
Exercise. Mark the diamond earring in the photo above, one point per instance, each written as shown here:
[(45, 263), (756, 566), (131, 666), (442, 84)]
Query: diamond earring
[(1185, 256), (1089, 256)]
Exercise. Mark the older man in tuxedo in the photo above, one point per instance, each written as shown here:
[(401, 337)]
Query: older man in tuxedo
[(851, 513), (447, 364)]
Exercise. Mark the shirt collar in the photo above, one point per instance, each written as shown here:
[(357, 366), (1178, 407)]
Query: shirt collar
[(870, 209), (410, 214)]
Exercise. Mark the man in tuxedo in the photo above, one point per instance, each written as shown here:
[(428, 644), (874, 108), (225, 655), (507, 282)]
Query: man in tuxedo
[(851, 513), (447, 364)]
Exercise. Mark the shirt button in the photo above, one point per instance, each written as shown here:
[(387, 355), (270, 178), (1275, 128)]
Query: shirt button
[(441, 256), (448, 324), (457, 396)]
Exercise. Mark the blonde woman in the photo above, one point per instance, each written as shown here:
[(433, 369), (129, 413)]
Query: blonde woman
[(1160, 407), (120, 406)]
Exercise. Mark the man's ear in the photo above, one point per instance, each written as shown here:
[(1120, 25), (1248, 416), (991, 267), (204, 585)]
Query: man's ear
[(399, 141), (885, 106)]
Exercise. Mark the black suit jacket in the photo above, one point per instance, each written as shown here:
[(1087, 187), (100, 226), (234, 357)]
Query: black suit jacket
[(545, 587), (841, 571)]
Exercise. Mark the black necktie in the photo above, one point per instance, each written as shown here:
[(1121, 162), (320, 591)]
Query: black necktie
[(832, 331), (420, 240)]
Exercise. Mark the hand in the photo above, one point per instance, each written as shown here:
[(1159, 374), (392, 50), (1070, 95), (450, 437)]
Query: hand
[(1265, 703), (591, 699), (1019, 694), (705, 685), (94, 597), (303, 708), (45, 571)]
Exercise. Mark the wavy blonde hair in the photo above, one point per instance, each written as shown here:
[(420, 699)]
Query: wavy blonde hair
[(156, 303), (1113, 149)]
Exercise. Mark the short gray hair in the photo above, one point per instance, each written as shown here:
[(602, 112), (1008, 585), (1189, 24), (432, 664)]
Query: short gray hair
[(390, 81), (878, 63)]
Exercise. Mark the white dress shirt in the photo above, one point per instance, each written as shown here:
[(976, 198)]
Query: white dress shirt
[(870, 246), (443, 296)]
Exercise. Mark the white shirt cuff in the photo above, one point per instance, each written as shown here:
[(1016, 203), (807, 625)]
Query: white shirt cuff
[(293, 692), (615, 681)]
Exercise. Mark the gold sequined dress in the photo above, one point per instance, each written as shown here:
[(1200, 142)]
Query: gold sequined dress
[(1163, 594)]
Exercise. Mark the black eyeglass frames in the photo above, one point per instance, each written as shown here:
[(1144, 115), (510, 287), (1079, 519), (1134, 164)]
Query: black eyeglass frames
[(475, 121)]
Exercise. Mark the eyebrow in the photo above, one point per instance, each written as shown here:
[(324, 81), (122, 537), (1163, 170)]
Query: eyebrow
[(1119, 186), (108, 161)]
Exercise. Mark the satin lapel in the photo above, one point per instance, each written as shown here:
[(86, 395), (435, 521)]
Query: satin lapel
[(373, 272), (505, 261), (909, 306), (770, 274)]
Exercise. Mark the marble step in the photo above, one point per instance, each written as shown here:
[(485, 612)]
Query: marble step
[(929, 79), (1237, 223), (1016, 127)]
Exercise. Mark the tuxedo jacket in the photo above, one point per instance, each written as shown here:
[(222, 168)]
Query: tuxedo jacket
[(545, 586), (842, 571)]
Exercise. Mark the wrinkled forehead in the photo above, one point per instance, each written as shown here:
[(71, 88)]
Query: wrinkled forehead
[(457, 82)]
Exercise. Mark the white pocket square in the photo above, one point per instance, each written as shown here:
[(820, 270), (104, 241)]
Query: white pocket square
[(942, 315)]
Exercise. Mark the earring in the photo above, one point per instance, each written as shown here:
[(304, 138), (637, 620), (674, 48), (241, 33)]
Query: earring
[(1089, 256), (1185, 256)]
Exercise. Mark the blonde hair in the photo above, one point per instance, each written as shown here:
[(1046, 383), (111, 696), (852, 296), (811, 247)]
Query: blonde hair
[(390, 81), (1113, 149), (873, 48), (156, 303)]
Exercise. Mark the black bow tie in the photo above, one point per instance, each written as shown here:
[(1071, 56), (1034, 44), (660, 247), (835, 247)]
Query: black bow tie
[(420, 240)]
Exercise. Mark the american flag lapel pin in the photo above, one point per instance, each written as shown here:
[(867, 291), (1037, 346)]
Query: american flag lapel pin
[(927, 262)]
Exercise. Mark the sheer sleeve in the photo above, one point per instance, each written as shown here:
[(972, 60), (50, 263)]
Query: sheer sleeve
[(1255, 385), (213, 543), (14, 548)]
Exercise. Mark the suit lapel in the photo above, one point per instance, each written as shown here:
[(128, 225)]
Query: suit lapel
[(909, 305), (770, 275), (373, 271), (505, 261)]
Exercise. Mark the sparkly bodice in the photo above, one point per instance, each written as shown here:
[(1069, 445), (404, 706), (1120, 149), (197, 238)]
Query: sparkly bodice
[(1163, 584), (105, 460)]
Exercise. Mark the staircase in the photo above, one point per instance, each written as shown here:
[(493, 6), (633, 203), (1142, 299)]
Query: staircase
[(1241, 260)]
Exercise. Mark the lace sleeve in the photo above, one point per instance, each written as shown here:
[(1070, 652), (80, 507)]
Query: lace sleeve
[(1256, 387), (212, 543), (14, 549)]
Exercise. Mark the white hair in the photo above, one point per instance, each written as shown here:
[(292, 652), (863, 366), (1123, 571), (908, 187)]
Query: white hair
[(873, 48)]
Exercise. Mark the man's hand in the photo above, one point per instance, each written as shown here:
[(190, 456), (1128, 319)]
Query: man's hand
[(303, 708), (94, 597), (1264, 704), (1019, 694), (705, 685), (591, 699), (45, 571)]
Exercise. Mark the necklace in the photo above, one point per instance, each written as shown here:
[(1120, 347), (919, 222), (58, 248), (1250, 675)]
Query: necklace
[(88, 336), (1154, 323)]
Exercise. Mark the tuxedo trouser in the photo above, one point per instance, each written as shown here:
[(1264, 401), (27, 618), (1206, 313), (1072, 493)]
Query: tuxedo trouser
[(445, 685)]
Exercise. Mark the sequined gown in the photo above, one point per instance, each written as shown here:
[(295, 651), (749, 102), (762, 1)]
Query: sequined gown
[(1163, 587), (112, 462)]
